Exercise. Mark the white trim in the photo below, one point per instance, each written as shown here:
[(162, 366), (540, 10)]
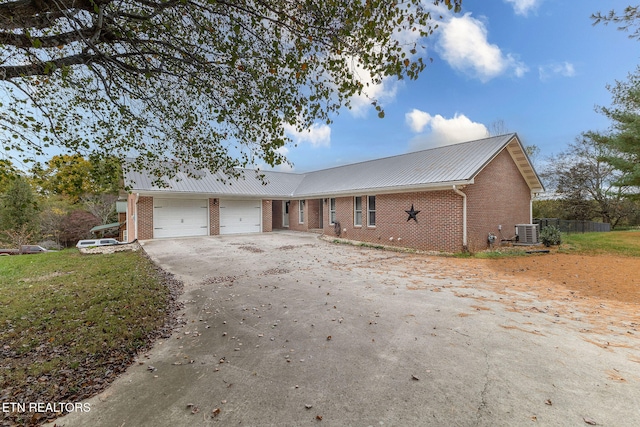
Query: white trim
[(334, 210), (355, 211), (369, 210), (301, 205)]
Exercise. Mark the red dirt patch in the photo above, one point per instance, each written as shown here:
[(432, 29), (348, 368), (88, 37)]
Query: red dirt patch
[(604, 276)]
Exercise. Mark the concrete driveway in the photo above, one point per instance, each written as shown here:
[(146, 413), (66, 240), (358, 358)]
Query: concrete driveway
[(284, 329)]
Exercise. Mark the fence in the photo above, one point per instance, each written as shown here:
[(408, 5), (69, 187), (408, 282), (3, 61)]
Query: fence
[(573, 226)]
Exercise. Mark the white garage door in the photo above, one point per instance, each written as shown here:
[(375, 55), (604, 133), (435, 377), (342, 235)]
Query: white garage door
[(180, 217), (240, 216)]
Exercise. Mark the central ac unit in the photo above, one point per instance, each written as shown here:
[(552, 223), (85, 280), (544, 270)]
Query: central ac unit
[(527, 234)]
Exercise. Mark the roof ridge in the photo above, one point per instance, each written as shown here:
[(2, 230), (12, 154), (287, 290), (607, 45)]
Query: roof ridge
[(511, 134)]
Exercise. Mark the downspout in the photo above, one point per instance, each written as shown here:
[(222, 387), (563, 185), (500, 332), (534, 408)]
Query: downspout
[(465, 245), (531, 207), (135, 215)]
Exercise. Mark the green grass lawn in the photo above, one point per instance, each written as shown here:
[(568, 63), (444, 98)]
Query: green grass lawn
[(71, 322), (625, 243)]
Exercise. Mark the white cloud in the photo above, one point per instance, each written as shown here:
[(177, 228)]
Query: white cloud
[(442, 131), (464, 45), (381, 92), (417, 120), (318, 135), (523, 7), (284, 167), (563, 69)]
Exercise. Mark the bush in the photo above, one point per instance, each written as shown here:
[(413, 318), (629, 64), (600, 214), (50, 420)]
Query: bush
[(550, 235)]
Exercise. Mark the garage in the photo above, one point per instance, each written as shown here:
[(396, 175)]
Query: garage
[(180, 217), (240, 216)]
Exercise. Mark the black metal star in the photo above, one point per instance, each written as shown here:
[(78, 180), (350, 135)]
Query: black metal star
[(412, 214)]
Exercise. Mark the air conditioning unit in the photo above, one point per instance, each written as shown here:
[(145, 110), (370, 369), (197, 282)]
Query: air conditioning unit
[(527, 234)]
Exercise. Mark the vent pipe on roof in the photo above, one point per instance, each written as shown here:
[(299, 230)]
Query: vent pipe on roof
[(464, 217)]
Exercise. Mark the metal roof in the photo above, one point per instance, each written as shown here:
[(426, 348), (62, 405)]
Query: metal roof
[(274, 184), (427, 169)]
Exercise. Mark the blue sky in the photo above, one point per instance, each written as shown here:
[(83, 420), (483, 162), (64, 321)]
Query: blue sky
[(538, 66)]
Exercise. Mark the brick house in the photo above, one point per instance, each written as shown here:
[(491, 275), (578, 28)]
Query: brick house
[(442, 199)]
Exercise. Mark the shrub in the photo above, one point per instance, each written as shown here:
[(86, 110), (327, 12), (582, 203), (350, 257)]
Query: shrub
[(550, 235)]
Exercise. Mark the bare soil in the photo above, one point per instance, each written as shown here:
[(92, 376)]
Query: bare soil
[(601, 289)]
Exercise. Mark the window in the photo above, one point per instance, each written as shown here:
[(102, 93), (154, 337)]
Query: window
[(332, 211), (357, 211), (301, 211), (371, 211)]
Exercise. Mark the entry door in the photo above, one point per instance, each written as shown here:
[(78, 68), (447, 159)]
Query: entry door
[(285, 213)]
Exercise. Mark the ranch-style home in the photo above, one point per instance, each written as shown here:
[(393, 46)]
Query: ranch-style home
[(446, 199)]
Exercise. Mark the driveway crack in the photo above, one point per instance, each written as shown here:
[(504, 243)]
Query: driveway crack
[(482, 406)]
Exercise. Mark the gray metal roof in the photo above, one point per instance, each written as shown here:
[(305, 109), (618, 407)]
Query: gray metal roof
[(274, 184), (433, 168)]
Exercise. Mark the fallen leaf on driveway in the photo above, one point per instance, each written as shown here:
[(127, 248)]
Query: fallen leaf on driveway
[(215, 412), (589, 421), (413, 377)]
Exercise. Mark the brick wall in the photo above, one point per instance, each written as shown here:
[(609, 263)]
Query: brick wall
[(267, 216), (439, 225), (276, 214), (294, 217), (313, 214), (214, 217), (499, 196), (145, 218)]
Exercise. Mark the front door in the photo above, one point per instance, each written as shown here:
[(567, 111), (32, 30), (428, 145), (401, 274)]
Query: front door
[(285, 213)]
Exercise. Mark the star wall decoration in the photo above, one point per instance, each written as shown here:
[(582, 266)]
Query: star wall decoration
[(412, 214)]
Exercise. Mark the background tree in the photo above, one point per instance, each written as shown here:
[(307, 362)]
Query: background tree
[(211, 84), (19, 210), (623, 138), (102, 206), (74, 176), (549, 208), (53, 216), (587, 186), (629, 19), (77, 225), (7, 174)]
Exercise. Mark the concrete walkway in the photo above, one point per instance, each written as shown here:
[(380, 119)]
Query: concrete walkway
[(284, 329)]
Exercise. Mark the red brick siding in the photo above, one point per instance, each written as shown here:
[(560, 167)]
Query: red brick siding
[(276, 214), (313, 216), (294, 217), (499, 196), (439, 225), (267, 216), (214, 217), (145, 218)]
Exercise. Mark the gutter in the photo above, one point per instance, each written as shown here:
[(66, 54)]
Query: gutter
[(439, 186), (464, 217)]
